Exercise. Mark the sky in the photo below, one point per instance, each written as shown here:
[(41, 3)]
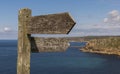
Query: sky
[(92, 17)]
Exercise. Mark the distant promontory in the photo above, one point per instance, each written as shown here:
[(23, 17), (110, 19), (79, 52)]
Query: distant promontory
[(103, 45)]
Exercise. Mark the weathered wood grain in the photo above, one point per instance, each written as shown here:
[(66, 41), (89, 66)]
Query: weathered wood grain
[(49, 44), (61, 23), (23, 60)]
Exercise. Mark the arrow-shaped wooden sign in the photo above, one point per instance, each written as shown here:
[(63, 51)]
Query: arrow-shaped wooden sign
[(49, 44), (61, 23)]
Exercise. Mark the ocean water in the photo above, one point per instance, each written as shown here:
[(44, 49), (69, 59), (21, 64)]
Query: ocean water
[(73, 61)]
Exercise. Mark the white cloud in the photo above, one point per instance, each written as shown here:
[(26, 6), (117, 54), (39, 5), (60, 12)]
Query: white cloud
[(7, 33), (97, 31), (105, 20), (117, 18), (111, 26), (6, 29), (114, 13), (113, 18)]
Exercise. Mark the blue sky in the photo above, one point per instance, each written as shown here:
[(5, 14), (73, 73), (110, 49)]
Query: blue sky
[(93, 17)]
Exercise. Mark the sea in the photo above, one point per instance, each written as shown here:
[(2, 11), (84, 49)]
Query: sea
[(73, 61)]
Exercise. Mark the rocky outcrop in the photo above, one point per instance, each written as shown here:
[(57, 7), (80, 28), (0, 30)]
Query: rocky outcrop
[(109, 45)]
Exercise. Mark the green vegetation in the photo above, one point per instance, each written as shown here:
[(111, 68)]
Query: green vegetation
[(109, 43), (106, 45)]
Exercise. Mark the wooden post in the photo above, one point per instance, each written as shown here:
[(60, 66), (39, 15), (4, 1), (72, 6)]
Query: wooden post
[(24, 49)]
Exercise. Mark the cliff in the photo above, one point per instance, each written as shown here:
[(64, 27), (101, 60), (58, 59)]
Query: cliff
[(104, 45)]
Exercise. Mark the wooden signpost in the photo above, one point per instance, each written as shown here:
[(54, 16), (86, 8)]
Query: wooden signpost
[(60, 23)]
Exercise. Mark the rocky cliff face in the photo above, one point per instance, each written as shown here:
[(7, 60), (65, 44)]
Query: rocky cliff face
[(109, 45)]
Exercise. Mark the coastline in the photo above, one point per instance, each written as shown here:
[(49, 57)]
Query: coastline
[(109, 45), (102, 51)]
